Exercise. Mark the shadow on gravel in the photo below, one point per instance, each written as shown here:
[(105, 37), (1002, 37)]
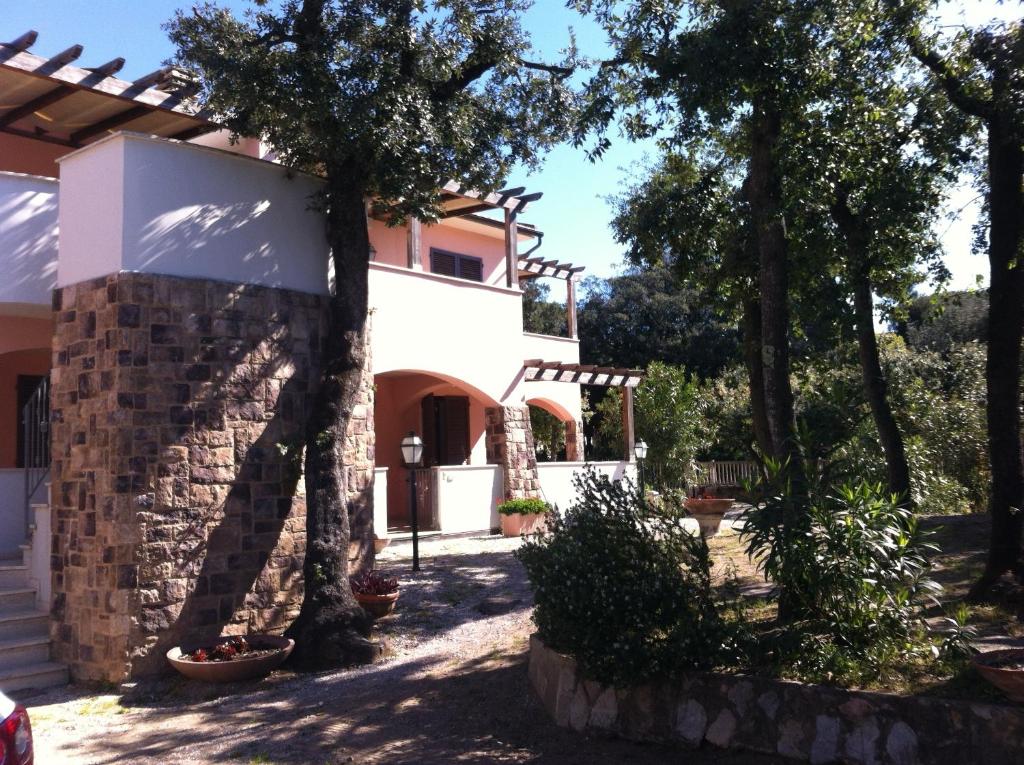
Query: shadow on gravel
[(420, 713)]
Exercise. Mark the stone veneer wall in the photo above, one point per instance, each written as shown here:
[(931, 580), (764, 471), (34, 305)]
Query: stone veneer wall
[(803, 722), (178, 408), (510, 444)]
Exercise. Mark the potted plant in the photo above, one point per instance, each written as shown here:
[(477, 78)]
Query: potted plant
[(232, 658), (1004, 669), (708, 509), (376, 592), (523, 516)]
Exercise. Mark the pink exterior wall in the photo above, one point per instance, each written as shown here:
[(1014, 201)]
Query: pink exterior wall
[(398, 410), (22, 155)]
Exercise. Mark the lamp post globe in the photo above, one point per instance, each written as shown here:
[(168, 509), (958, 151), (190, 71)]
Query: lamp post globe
[(640, 452), (412, 450)]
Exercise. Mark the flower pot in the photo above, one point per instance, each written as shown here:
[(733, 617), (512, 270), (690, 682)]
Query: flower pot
[(273, 651), (708, 513), (516, 524), (377, 606), (1004, 669)]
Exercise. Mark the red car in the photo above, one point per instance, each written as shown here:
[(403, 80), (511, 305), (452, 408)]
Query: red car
[(15, 734)]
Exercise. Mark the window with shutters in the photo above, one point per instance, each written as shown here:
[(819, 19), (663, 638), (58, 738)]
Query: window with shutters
[(454, 264)]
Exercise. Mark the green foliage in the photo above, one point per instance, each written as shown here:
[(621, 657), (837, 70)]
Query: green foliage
[(853, 564), (387, 99), (548, 434), (941, 321), (624, 588), (527, 506), (541, 315)]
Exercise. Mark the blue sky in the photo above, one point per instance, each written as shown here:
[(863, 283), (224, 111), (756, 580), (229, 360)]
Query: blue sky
[(573, 213)]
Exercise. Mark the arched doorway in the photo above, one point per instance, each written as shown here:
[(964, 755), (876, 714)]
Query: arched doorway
[(556, 434), (455, 485)]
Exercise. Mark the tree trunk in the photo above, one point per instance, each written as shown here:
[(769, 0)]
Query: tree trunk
[(332, 629), (755, 371), (876, 390), (851, 228), (1002, 368), (764, 193)]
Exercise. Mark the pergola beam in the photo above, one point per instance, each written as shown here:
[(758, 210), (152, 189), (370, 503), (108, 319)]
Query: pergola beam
[(111, 67), (40, 102), (23, 42), (109, 123)]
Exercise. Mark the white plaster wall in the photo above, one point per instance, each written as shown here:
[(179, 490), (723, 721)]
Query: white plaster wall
[(455, 329), (186, 210), (91, 212), (556, 478), (28, 238), (380, 503), (468, 497), (12, 512), (559, 395), (40, 575)]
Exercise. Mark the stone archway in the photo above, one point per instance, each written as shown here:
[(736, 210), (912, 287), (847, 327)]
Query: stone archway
[(572, 429)]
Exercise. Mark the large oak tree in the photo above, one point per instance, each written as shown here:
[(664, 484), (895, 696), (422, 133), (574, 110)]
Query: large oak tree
[(386, 100)]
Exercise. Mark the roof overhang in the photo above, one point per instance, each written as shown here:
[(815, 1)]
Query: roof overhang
[(51, 100)]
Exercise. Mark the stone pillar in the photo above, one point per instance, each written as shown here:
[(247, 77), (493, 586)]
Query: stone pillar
[(574, 441), (179, 408), (510, 444)]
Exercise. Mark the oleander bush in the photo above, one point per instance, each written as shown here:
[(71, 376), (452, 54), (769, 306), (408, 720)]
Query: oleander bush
[(624, 588)]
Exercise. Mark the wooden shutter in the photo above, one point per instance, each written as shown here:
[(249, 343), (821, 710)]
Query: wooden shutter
[(430, 431), (471, 268), (445, 263), (456, 430)]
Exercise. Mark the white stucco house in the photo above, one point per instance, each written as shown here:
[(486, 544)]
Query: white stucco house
[(150, 269)]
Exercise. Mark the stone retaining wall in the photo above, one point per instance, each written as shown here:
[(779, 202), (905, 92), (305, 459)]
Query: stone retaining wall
[(802, 722), (179, 408)]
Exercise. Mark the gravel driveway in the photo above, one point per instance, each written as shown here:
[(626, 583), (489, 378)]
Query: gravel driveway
[(453, 689)]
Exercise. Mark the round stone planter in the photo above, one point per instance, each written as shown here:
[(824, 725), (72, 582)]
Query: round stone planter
[(708, 513), (236, 670), (1008, 679), (378, 606), (516, 524)]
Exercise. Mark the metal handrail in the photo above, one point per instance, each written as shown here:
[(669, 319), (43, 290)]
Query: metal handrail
[(35, 419)]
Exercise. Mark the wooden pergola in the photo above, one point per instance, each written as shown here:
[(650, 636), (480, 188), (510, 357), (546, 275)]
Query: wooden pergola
[(538, 370), (49, 99)]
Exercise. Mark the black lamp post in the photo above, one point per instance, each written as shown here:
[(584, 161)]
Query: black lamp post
[(640, 452), (412, 455)]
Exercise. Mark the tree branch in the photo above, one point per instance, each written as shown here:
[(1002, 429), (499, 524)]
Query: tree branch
[(955, 87), (561, 72)]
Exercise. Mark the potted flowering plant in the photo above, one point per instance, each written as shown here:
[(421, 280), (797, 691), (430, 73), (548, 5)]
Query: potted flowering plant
[(708, 509), (522, 516), (231, 658), (376, 592)]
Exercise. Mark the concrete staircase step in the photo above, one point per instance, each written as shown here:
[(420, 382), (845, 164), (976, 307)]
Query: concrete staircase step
[(13, 575), (45, 674), (21, 652), (17, 598), (24, 623)]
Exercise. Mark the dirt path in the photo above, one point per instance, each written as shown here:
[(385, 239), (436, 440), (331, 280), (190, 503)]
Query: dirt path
[(454, 690)]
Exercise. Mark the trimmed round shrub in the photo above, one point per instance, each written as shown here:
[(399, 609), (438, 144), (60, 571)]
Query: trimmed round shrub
[(624, 588)]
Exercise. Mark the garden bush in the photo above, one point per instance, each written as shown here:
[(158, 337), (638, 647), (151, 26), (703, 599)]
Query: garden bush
[(853, 567), (624, 588)]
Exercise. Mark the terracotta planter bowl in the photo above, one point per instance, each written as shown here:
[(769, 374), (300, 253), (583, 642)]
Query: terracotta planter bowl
[(516, 524), (1009, 681), (238, 669), (378, 606), (708, 513)]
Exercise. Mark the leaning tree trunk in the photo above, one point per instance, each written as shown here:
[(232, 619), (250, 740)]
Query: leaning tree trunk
[(1002, 367), (876, 390), (852, 229), (755, 371), (332, 629)]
